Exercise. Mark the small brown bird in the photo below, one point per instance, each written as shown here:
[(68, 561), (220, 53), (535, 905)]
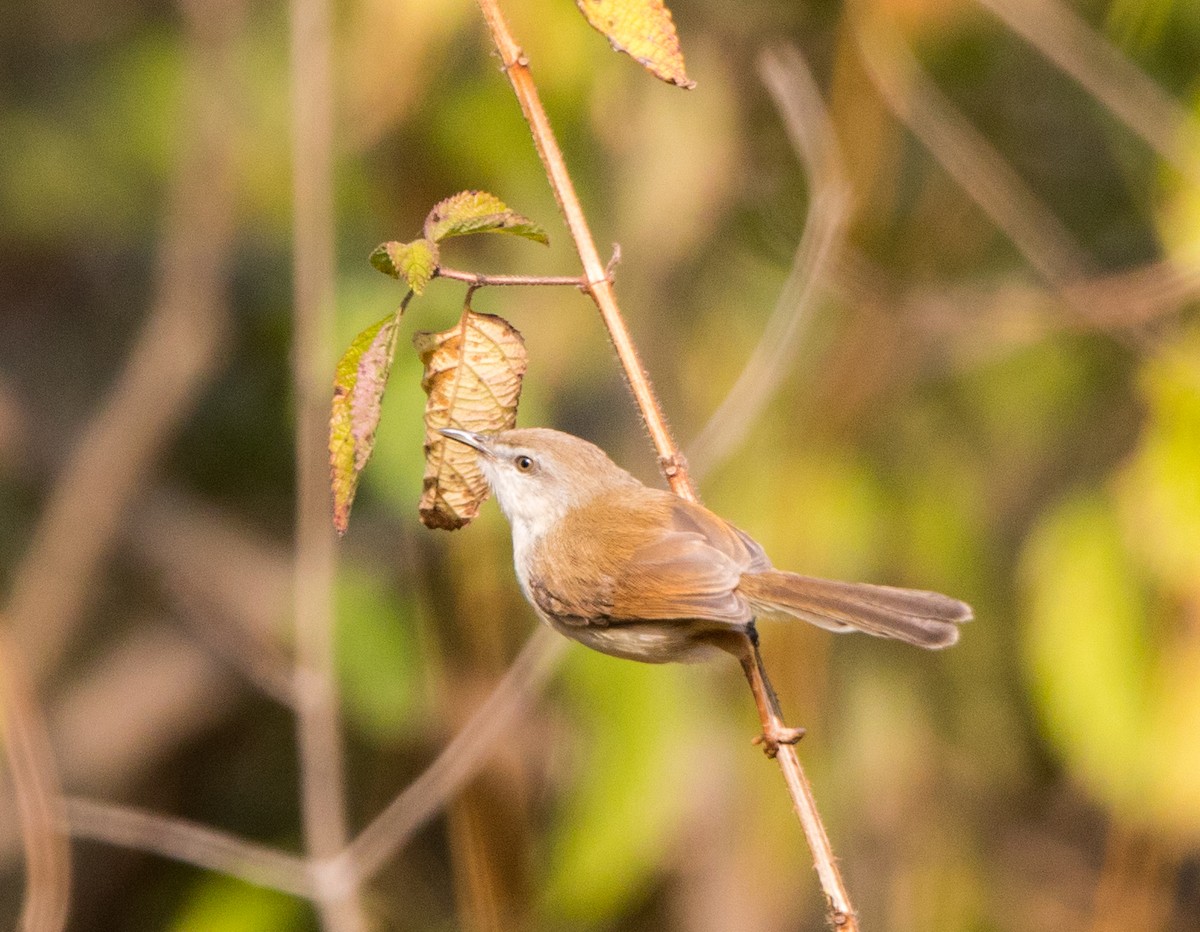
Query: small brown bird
[(643, 574)]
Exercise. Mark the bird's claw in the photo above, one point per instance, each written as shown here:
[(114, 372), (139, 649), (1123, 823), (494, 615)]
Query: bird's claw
[(776, 735)]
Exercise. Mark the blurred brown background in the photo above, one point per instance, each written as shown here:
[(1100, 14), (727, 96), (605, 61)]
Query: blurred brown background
[(991, 388)]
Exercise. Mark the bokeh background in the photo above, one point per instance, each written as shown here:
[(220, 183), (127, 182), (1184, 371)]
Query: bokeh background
[(992, 388)]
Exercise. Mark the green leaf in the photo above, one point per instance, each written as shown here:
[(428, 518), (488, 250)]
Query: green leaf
[(222, 904), (611, 834), (378, 656), (357, 391), (1088, 652), (478, 212), (644, 30), (414, 262)]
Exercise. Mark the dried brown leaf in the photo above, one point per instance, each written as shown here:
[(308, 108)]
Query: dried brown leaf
[(644, 30), (473, 374)]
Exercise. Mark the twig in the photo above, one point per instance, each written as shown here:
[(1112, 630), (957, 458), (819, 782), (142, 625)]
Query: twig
[(673, 464), (181, 840), (599, 285), (460, 758), (318, 730), (38, 797), (979, 169), (779, 741), (478, 279), (965, 154), (1137, 101), (799, 101)]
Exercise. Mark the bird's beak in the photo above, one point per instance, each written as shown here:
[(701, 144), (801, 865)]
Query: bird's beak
[(469, 437)]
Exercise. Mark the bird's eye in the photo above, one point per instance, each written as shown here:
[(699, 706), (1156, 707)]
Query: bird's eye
[(523, 463)]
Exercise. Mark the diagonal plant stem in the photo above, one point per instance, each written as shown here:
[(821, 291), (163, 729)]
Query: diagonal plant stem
[(986, 177), (318, 729), (38, 798), (1067, 40), (797, 98), (599, 284), (516, 66), (460, 758), (964, 153)]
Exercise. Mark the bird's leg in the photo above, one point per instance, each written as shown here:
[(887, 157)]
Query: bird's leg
[(775, 732)]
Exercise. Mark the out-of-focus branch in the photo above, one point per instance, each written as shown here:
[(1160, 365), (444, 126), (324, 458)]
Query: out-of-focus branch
[(599, 284), (38, 797), (1063, 37), (172, 360), (229, 586), (964, 153), (983, 174), (151, 693), (461, 757), (798, 100), (318, 726), (188, 842)]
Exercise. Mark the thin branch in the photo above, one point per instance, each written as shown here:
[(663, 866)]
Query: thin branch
[(479, 279), (318, 729), (798, 99), (126, 711), (671, 460), (841, 914), (779, 742), (460, 758), (599, 285), (38, 797), (965, 154), (181, 840), (986, 177), (1137, 101)]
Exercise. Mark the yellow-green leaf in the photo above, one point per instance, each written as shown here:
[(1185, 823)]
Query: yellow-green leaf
[(478, 212), (473, 374), (357, 391), (644, 30), (414, 262)]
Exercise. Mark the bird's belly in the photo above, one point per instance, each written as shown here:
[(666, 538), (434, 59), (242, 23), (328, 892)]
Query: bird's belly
[(680, 641)]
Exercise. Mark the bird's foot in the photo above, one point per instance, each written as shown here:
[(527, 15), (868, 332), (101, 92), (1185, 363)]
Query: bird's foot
[(775, 735)]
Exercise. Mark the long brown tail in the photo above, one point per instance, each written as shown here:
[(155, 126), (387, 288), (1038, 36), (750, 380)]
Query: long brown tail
[(926, 619)]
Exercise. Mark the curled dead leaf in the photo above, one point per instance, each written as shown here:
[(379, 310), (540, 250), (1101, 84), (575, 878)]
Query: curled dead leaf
[(473, 377)]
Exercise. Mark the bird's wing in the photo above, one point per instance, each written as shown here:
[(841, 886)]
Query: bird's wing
[(718, 533), (689, 569)]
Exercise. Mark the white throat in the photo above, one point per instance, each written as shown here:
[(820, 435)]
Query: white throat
[(531, 509)]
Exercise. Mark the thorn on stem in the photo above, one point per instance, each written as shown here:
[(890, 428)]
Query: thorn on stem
[(672, 465), (780, 734), (611, 268)]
